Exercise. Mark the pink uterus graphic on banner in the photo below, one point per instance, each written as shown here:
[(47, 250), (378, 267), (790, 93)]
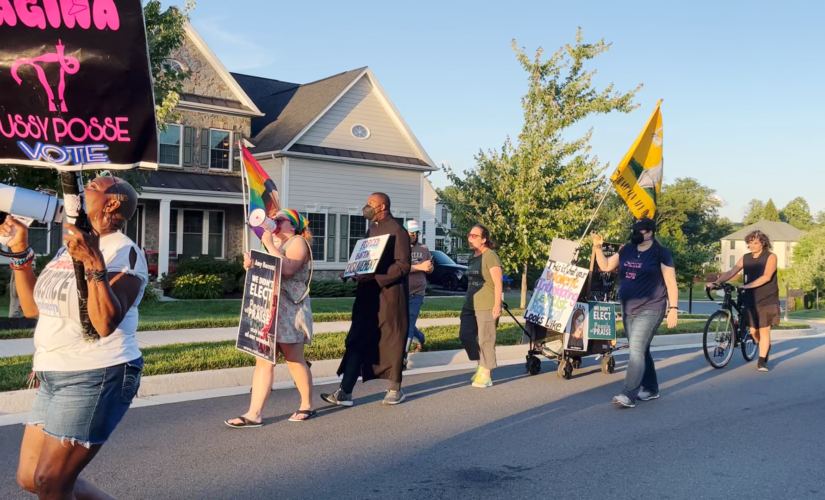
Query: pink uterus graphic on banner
[(68, 65)]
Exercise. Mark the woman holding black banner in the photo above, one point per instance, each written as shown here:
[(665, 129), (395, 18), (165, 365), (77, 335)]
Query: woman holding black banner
[(86, 384), (647, 280), (291, 242)]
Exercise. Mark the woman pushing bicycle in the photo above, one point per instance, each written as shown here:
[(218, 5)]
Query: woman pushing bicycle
[(761, 292)]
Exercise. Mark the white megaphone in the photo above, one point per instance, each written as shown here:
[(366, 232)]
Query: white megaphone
[(27, 206), (258, 218)]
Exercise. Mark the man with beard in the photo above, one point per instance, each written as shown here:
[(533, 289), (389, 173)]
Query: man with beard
[(377, 337)]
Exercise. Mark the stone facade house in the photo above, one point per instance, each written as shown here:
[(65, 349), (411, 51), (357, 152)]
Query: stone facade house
[(327, 145)]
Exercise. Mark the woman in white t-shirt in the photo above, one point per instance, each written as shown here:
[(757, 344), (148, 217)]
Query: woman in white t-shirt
[(86, 382)]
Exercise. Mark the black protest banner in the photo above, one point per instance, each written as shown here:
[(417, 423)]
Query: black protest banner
[(602, 286), (259, 312), (75, 85)]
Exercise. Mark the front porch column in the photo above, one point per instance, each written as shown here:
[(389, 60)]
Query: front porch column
[(163, 237)]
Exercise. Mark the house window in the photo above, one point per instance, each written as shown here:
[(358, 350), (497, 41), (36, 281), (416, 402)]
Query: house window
[(423, 232), (202, 233), (192, 233), (733, 244), (318, 226), (219, 149), (787, 246), (134, 227), (173, 231), (216, 239), (357, 230), (443, 215), (439, 244), (170, 149), (732, 261)]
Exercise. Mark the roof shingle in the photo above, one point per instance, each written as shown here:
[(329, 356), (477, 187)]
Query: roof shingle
[(776, 231)]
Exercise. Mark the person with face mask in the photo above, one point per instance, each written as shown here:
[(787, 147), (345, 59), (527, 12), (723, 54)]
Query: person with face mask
[(378, 333), (421, 265), (647, 281)]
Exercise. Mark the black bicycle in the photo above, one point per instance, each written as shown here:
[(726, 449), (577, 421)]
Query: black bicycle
[(725, 331)]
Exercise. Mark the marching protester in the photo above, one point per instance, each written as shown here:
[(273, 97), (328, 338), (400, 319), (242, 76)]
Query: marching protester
[(761, 297), (292, 243), (421, 264), (647, 288), (377, 336), (86, 384), (482, 306)]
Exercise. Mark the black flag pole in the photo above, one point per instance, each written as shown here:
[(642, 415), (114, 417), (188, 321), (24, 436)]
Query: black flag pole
[(74, 201)]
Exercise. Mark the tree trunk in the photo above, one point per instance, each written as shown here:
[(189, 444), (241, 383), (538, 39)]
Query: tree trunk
[(817, 298), (14, 301), (523, 302), (788, 300)]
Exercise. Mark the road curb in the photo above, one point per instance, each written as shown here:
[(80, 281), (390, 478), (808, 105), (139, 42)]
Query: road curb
[(13, 402)]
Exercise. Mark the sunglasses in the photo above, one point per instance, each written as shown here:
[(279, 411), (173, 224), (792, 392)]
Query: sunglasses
[(280, 220), (473, 236)]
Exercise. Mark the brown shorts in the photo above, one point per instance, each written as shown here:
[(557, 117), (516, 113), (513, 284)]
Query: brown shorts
[(761, 316)]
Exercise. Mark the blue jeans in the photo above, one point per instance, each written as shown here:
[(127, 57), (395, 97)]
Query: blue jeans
[(84, 407), (416, 301), (640, 329)]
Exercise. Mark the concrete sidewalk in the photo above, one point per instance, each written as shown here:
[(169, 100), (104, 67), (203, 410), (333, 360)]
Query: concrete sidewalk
[(23, 347)]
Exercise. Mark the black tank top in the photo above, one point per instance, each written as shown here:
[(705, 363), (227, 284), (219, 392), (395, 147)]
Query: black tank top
[(754, 269)]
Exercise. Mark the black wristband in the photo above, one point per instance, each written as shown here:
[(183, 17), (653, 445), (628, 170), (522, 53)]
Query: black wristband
[(99, 276)]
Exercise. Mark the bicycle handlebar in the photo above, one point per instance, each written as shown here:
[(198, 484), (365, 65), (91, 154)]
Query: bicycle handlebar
[(728, 288)]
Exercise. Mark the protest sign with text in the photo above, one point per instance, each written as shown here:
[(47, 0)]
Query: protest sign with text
[(365, 255), (555, 295), (75, 88), (602, 321), (259, 309)]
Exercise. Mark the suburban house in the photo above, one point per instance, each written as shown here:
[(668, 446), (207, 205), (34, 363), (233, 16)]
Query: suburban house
[(327, 145), (783, 236)]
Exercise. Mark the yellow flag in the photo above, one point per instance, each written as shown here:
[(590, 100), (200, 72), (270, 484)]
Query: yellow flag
[(638, 178)]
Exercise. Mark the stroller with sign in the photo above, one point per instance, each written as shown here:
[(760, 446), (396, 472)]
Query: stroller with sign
[(566, 331)]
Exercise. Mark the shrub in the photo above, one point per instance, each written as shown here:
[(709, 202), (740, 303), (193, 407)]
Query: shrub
[(228, 271), (198, 286), (167, 281), (149, 295), (332, 288)]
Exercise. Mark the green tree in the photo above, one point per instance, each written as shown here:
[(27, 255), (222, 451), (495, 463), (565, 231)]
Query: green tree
[(753, 213), (544, 186), (808, 269), (165, 33), (798, 214), (770, 213)]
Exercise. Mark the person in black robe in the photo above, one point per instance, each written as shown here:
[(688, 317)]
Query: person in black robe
[(378, 334)]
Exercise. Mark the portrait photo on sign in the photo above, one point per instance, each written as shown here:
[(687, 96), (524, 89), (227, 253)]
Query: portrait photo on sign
[(575, 335), (257, 333)]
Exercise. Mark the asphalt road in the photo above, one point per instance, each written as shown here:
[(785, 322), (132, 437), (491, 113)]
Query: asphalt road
[(731, 433)]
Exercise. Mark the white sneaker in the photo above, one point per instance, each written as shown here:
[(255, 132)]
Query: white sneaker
[(623, 400), (645, 395)]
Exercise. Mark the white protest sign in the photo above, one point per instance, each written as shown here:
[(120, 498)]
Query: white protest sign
[(555, 295), (366, 255)]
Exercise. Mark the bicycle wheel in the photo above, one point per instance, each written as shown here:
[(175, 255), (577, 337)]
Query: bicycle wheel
[(718, 341), (749, 347)]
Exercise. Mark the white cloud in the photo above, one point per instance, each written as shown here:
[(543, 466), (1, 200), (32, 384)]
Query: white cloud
[(236, 52)]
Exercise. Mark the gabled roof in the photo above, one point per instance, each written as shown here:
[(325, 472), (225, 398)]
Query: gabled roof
[(292, 109), (776, 231), (289, 108), (248, 105)]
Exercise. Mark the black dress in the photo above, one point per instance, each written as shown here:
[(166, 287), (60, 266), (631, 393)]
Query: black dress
[(761, 303), (378, 334)]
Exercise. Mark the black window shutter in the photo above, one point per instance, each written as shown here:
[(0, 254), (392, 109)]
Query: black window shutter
[(188, 145), (343, 253), (237, 140), (331, 218), (204, 146)]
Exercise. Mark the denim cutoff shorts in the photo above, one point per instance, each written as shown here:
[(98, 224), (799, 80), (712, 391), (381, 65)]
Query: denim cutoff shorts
[(84, 407)]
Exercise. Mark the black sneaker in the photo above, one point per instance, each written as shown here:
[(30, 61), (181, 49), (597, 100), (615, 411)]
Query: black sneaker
[(338, 398), (762, 365)]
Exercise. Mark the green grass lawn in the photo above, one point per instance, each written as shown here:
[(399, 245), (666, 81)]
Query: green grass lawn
[(808, 314), (180, 358), (4, 306)]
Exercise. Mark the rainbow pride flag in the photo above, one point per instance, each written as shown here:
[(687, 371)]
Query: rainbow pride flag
[(262, 191)]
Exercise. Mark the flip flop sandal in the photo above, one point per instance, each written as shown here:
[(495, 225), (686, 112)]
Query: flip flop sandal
[(245, 423), (308, 413)]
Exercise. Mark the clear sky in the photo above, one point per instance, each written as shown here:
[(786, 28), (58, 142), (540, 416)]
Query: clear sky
[(741, 81)]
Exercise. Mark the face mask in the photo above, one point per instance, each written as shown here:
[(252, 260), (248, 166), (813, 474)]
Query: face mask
[(637, 238), (369, 212)]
